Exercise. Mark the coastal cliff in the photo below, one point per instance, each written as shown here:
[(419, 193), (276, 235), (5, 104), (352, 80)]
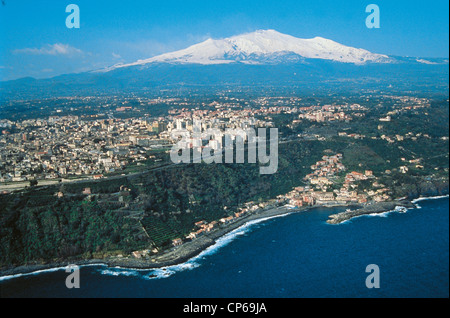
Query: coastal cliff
[(173, 256)]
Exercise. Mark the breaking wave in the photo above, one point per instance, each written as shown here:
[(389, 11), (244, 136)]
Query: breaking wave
[(428, 198), (43, 271), (194, 262), (158, 273)]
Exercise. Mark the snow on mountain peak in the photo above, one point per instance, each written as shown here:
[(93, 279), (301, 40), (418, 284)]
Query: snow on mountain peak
[(260, 45)]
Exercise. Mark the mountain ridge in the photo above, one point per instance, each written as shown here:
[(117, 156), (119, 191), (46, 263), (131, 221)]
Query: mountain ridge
[(257, 59), (261, 46)]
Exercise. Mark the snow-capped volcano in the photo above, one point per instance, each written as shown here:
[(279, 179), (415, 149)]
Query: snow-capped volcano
[(264, 46)]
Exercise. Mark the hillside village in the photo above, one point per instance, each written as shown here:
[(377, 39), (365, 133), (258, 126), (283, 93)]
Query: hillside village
[(318, 191)]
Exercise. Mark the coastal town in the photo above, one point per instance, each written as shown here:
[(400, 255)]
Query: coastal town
[(315, 194), (213, 156), (70, 146), (53, 152)]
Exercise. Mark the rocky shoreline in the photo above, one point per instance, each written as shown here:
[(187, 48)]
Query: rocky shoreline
[(180, 254), (375, 208), (173, 256)]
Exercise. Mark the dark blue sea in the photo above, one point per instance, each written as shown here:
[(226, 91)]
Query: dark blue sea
[(298, 255)]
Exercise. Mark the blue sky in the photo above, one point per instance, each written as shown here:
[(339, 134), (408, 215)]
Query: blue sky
[(34, 40)]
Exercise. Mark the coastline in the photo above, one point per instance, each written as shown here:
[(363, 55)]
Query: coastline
[(375, 208), (173, 256), (430, 198), (379, 208), (187, 251)]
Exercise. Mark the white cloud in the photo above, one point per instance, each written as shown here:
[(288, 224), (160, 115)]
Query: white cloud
[(51, 49), (116, 56)]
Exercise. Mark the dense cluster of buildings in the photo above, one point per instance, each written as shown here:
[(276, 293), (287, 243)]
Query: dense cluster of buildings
[(330, 184), (73, 146), (67, 146), (330, 112)]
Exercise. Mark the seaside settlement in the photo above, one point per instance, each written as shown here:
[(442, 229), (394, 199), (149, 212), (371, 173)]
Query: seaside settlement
[(71, 147), (318, 192)]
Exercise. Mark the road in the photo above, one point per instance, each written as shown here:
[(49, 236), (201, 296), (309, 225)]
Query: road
[(16, 186)]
